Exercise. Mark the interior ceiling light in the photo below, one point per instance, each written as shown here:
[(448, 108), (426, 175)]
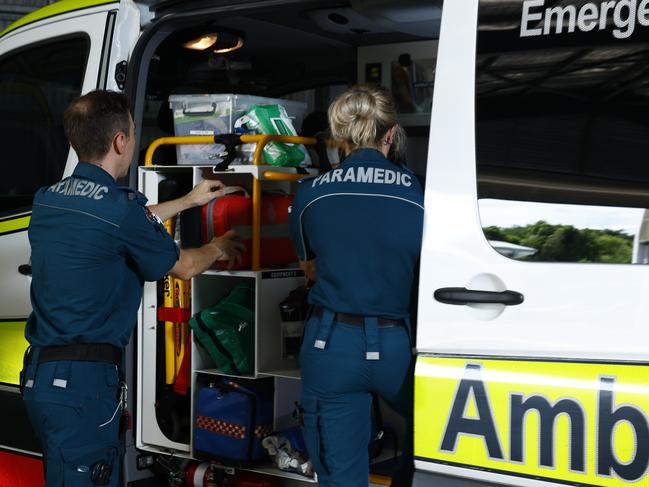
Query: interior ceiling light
[(202, 43), (228, 45)]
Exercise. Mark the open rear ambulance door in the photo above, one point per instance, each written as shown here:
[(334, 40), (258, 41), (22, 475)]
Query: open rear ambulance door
[(534, 371)]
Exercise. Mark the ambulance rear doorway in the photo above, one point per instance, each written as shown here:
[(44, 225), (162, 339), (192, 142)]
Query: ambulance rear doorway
[(297, 55)]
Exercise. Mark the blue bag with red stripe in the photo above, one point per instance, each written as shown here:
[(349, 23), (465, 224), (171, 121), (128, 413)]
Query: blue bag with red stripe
[(231, 420)]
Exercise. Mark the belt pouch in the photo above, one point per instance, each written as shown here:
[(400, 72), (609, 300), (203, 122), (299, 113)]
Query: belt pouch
[(30, 363)]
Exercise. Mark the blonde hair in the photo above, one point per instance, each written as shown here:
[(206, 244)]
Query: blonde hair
[(361, 116)]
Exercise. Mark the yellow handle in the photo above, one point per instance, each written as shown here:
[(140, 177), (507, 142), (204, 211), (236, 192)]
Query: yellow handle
[(260, 140), (169, 327), (189, 139), (182, 329), (282, 176)]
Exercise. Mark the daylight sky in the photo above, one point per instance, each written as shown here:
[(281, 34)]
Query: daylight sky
[(509, 213)]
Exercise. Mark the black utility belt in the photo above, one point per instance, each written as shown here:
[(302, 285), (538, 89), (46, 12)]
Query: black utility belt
[(359, 320), (82, 352)]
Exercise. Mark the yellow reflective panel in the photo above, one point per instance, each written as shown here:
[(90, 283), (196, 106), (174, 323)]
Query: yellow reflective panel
[(14, 224), (577, 423), (12, 349), (57, 8)]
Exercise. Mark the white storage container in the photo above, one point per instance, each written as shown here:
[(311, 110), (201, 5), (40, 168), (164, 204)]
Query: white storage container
[(216, 114)]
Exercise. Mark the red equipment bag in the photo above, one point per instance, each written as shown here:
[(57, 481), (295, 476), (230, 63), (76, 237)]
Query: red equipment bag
[(234, 212)]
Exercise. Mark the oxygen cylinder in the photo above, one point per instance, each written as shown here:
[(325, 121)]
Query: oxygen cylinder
[(201, 475)]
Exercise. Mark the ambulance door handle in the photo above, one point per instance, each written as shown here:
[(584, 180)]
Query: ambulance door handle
[(462, 295), (25, 269)]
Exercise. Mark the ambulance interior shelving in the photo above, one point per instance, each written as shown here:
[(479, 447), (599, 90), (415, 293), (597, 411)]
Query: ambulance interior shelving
[(292, 53)]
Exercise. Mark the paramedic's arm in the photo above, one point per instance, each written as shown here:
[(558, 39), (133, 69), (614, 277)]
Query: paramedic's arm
[(300, 241), (194, 261), (203, 193), (308, 266)]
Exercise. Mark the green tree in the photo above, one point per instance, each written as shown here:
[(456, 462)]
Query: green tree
[(494, 233), (565, 243), (614, 248)]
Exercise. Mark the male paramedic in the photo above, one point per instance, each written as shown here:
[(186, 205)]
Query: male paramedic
[(357, 230), (93, 245)]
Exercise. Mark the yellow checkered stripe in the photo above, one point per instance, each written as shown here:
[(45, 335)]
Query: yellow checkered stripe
[(263, 430), (231, 430), (220, 427)]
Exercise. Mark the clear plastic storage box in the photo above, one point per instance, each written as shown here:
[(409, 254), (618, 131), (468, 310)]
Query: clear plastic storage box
[(216, 114)]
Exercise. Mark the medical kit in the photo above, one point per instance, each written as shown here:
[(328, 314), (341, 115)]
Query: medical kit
[(214, 114), (234, 212), (227, 331), (231, 420), (273, 120)]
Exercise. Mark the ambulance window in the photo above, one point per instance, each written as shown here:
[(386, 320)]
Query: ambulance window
[(562, 130), (36, 84)]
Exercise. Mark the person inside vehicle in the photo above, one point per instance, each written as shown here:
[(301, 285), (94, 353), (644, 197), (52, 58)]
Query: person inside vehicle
[(403, 89), (357, 231)]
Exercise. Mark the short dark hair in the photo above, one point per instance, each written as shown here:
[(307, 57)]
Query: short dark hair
[(92, 120)]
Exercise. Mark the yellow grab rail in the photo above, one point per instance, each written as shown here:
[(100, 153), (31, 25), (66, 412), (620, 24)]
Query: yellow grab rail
[(282, 176), (261, 141), (189, 139)]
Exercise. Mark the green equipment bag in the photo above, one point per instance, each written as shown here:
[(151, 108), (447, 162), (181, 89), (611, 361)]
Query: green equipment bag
[(273, 120), (227, 331)]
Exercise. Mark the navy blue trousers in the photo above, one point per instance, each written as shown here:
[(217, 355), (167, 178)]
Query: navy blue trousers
[(73, 407), (337, 382)]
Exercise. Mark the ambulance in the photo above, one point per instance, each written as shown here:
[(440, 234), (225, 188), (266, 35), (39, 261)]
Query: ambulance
[(530, 370)]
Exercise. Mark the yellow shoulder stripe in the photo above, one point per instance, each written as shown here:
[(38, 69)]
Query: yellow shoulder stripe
[(58, 8)]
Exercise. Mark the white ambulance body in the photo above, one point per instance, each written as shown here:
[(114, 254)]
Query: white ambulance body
[(529, 372)]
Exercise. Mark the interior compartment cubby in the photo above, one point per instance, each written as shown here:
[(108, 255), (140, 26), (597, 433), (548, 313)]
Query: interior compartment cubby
[(273, 287), (285, 393), (208, 290), (150, 179)]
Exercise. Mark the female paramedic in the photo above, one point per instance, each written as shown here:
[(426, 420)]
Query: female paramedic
[(357, 230)]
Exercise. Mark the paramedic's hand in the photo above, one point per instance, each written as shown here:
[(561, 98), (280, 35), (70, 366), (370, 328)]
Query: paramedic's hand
[(204, 192), (230, 248)]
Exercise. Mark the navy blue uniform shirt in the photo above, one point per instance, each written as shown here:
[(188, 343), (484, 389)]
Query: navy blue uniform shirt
[(362, 222), (93, 245)]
